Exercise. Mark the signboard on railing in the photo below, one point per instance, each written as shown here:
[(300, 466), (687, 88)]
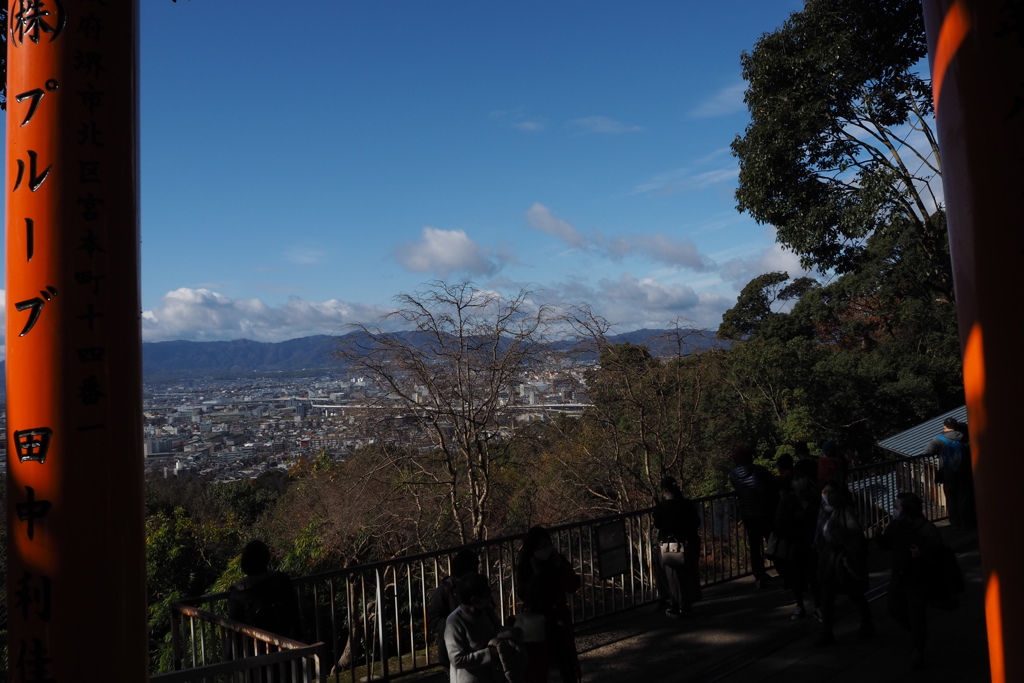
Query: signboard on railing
[(612, 549)]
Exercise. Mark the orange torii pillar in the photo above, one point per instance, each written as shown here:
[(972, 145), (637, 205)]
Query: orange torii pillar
[(76, 554), (977, 57)]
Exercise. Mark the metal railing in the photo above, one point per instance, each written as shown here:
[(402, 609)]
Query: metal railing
[(370, 621), (874, 488), (208, 648)]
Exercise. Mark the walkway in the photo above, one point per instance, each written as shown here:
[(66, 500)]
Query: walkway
[(742, 635)]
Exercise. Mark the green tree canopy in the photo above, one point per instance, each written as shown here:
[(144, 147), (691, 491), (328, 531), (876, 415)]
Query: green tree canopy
[(839, 148)]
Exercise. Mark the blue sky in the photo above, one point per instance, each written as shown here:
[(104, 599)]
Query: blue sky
[(302, 163)]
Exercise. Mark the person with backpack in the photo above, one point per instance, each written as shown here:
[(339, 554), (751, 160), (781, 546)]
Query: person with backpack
[(954, 453)]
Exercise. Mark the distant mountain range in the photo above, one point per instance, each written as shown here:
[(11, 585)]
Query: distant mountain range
[(313, 355)]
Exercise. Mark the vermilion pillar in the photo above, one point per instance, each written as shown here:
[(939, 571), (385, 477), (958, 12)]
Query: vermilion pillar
[(977, 56), (76, 581)]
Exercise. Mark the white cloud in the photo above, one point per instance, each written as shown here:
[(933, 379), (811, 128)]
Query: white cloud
[(603, 124), (671, 251), (631, 303), (774, 258), (205, 315), (304, 256), (517, 119), (656, 247), (726, 101), (541, 218), (528, 125), (443, 252), (684, 179)]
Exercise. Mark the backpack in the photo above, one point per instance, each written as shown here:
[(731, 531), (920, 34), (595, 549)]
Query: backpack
[(952, 454)]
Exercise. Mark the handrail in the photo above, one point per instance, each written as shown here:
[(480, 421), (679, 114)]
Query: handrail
[(251, 663), (371, 618), (242, 648)]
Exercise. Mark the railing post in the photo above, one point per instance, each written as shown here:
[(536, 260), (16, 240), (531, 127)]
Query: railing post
[(177, 657), (381, 626)]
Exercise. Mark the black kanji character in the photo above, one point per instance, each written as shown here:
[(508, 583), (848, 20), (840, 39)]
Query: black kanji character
[(90, 243), (31, 510), (90, 203), (91, 354), (91, 25), (86, 277), (91, 98), (32, 18), (32, 444), (89, 132), (34, 181), (90, 392), (34, 664), (1012, 20), (26, 595), (89, 62), (89, 171), (36, 305), (90, 316)]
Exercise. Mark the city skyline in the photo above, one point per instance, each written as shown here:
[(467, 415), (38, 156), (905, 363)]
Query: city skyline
[(300, 170)]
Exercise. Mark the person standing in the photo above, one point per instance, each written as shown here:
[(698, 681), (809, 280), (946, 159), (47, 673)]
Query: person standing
[(264, 598), (678, 524), (469, 634), (445, 599), (758, 499), (795, 523), (544, 578), (954, 453), (842, 561), (915, 544)]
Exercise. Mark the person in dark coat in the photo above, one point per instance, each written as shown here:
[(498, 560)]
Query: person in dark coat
[(264, 598), (544, 579), (915, 544), (758, 500), (678, 524), (795, 522), (842, 560)]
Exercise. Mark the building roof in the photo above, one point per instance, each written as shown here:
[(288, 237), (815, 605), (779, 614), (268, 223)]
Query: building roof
[(914, 440)]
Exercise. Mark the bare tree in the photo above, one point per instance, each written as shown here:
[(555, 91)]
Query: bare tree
[(647, 417), (451, 372)]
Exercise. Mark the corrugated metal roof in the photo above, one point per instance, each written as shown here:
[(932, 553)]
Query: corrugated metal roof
[(914, 440)]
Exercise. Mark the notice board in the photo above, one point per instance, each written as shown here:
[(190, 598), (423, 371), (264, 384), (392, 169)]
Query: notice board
[(612, 549)]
